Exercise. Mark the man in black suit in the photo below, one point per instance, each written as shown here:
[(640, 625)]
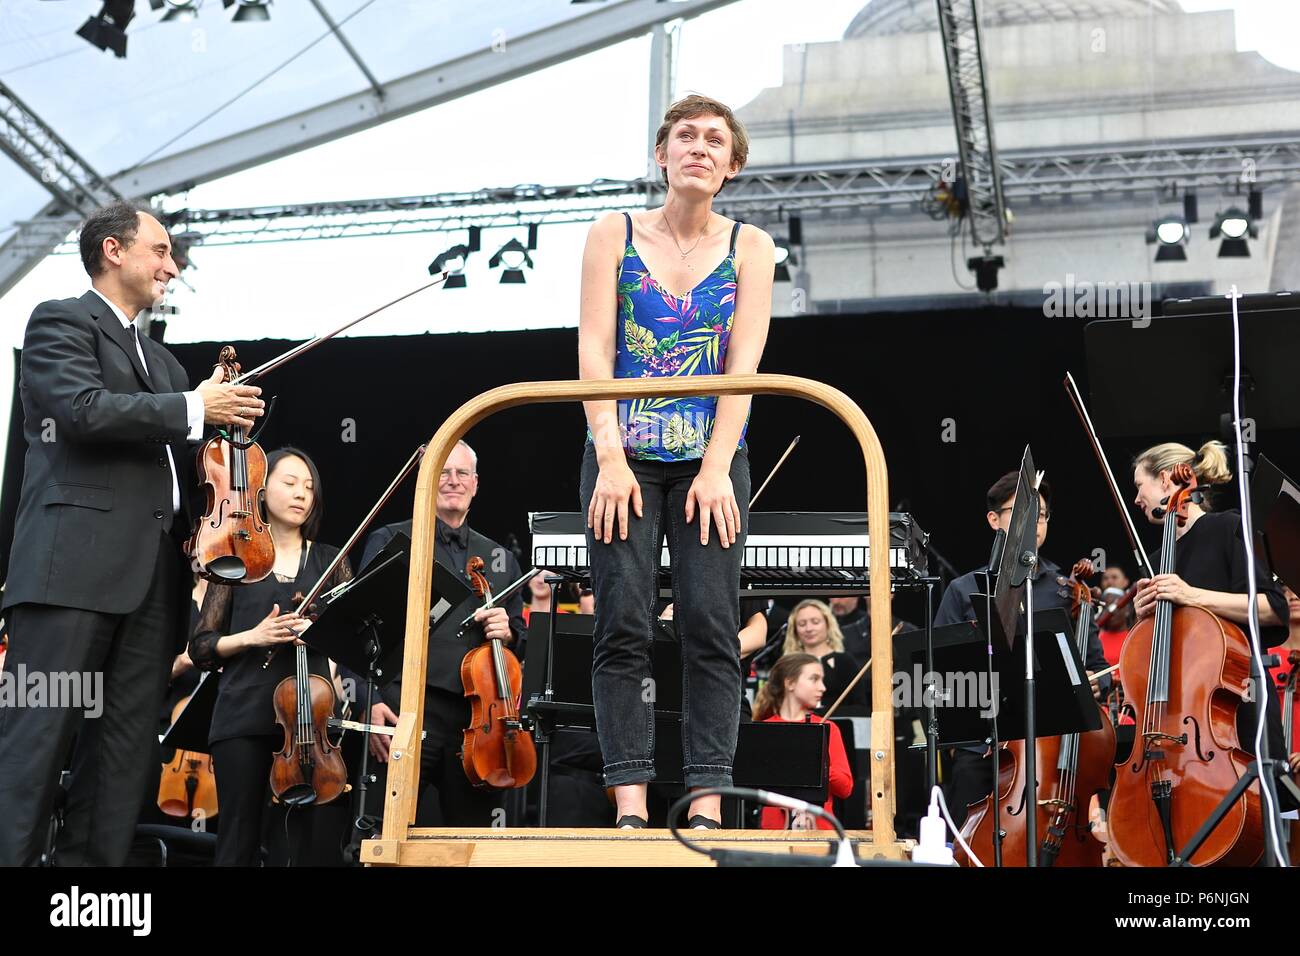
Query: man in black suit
[(96, 578), (446, 796)]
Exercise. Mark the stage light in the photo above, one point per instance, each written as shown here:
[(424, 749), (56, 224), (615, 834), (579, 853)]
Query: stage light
[(452, 261), (986, 271), (1233, 226), (107, 29), (177, 10), (784, 257), (1171, 233), (249, 11), (514, 256)]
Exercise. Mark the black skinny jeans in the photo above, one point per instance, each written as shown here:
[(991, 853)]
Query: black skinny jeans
[(706, 583)]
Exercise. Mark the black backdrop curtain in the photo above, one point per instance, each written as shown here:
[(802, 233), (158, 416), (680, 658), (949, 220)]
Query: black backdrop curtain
[(935, 386)]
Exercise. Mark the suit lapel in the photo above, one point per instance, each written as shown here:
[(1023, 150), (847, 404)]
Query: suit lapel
[(112, 327)]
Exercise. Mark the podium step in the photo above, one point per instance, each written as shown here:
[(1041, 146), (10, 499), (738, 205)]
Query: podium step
[(500, 846)]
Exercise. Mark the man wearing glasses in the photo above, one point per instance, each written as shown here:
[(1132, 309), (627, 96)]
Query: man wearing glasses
[(971, 774), (446, 797)]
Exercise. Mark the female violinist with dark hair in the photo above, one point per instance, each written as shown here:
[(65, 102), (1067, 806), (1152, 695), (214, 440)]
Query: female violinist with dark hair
[(236, 628)]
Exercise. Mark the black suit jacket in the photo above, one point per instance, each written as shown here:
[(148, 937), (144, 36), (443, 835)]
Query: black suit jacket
[(445, 654), (97, 488)]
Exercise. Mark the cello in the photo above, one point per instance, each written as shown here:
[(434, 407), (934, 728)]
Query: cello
[(188, 787), (496, 753), (1185, 671), (1082, 763)]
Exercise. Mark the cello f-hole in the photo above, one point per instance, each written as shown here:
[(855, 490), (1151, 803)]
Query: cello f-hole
[(1196, 729)]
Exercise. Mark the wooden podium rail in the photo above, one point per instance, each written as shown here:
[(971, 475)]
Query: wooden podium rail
[(403, 845)]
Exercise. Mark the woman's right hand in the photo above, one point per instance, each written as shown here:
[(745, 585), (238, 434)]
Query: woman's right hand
[(275, 628), (608, 512)]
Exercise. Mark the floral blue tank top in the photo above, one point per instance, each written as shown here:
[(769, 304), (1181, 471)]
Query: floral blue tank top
[(661, 334)]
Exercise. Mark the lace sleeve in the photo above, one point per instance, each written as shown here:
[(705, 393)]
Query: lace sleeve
[(214, 622)]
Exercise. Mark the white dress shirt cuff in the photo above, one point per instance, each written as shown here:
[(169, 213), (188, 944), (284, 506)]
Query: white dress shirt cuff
[(194, 414)]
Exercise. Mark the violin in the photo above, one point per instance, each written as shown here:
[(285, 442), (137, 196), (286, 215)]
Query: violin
[(308, 768), (1184, 672), (1081, 764), (496, 752), (188, 788), (231, 543)]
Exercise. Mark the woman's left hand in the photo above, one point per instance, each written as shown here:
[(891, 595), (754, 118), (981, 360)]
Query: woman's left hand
[(712, 494), (1170, 587)]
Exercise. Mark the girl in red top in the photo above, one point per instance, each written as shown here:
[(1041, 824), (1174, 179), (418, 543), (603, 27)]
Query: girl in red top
[(794, 689)]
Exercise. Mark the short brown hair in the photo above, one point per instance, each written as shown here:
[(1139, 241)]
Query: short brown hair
[(695, 105)]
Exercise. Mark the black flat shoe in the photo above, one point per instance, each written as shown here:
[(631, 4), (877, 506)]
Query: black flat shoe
[(701, 822), (629, 821)]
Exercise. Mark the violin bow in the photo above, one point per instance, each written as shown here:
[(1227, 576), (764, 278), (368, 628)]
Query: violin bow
[(771, 473), (854, 683), (1139, 552), (254, 374), (352, 541)]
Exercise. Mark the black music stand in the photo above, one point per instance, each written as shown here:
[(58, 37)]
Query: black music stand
[(350, 629), (1273, 510), (1133, 368), (1019, 560), (1275, 515), (193, 724)]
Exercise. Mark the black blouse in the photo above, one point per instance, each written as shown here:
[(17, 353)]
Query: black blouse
[(244, 705), (838, 668)]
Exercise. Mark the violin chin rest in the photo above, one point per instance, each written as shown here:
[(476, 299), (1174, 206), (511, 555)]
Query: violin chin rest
[(299, 795)]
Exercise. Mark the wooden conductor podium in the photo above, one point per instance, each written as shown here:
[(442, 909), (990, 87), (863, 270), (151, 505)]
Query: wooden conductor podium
[(405, 845)]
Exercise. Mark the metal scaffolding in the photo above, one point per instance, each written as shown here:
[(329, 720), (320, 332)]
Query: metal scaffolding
[(1096, 174), (979, 172), (76, 187)]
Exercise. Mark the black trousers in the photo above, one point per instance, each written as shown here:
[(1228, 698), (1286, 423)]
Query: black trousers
[(125, 660), (446, 798), (243, 768)]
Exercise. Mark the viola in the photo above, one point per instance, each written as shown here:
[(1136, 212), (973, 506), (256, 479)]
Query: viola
[(231, 543), (1072, 768), (1185, 672), (496, 752), (188, 787)]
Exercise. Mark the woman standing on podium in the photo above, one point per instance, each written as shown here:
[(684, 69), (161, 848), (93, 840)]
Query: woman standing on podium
[(237, 626), (677, 290)]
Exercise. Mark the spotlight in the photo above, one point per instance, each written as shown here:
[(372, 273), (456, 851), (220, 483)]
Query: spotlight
[(177, 9), (452, 261), (248, 11), (1233, 226), (514, 256), (986, 271), (784, 258), (107, 29), (1171, 233)]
